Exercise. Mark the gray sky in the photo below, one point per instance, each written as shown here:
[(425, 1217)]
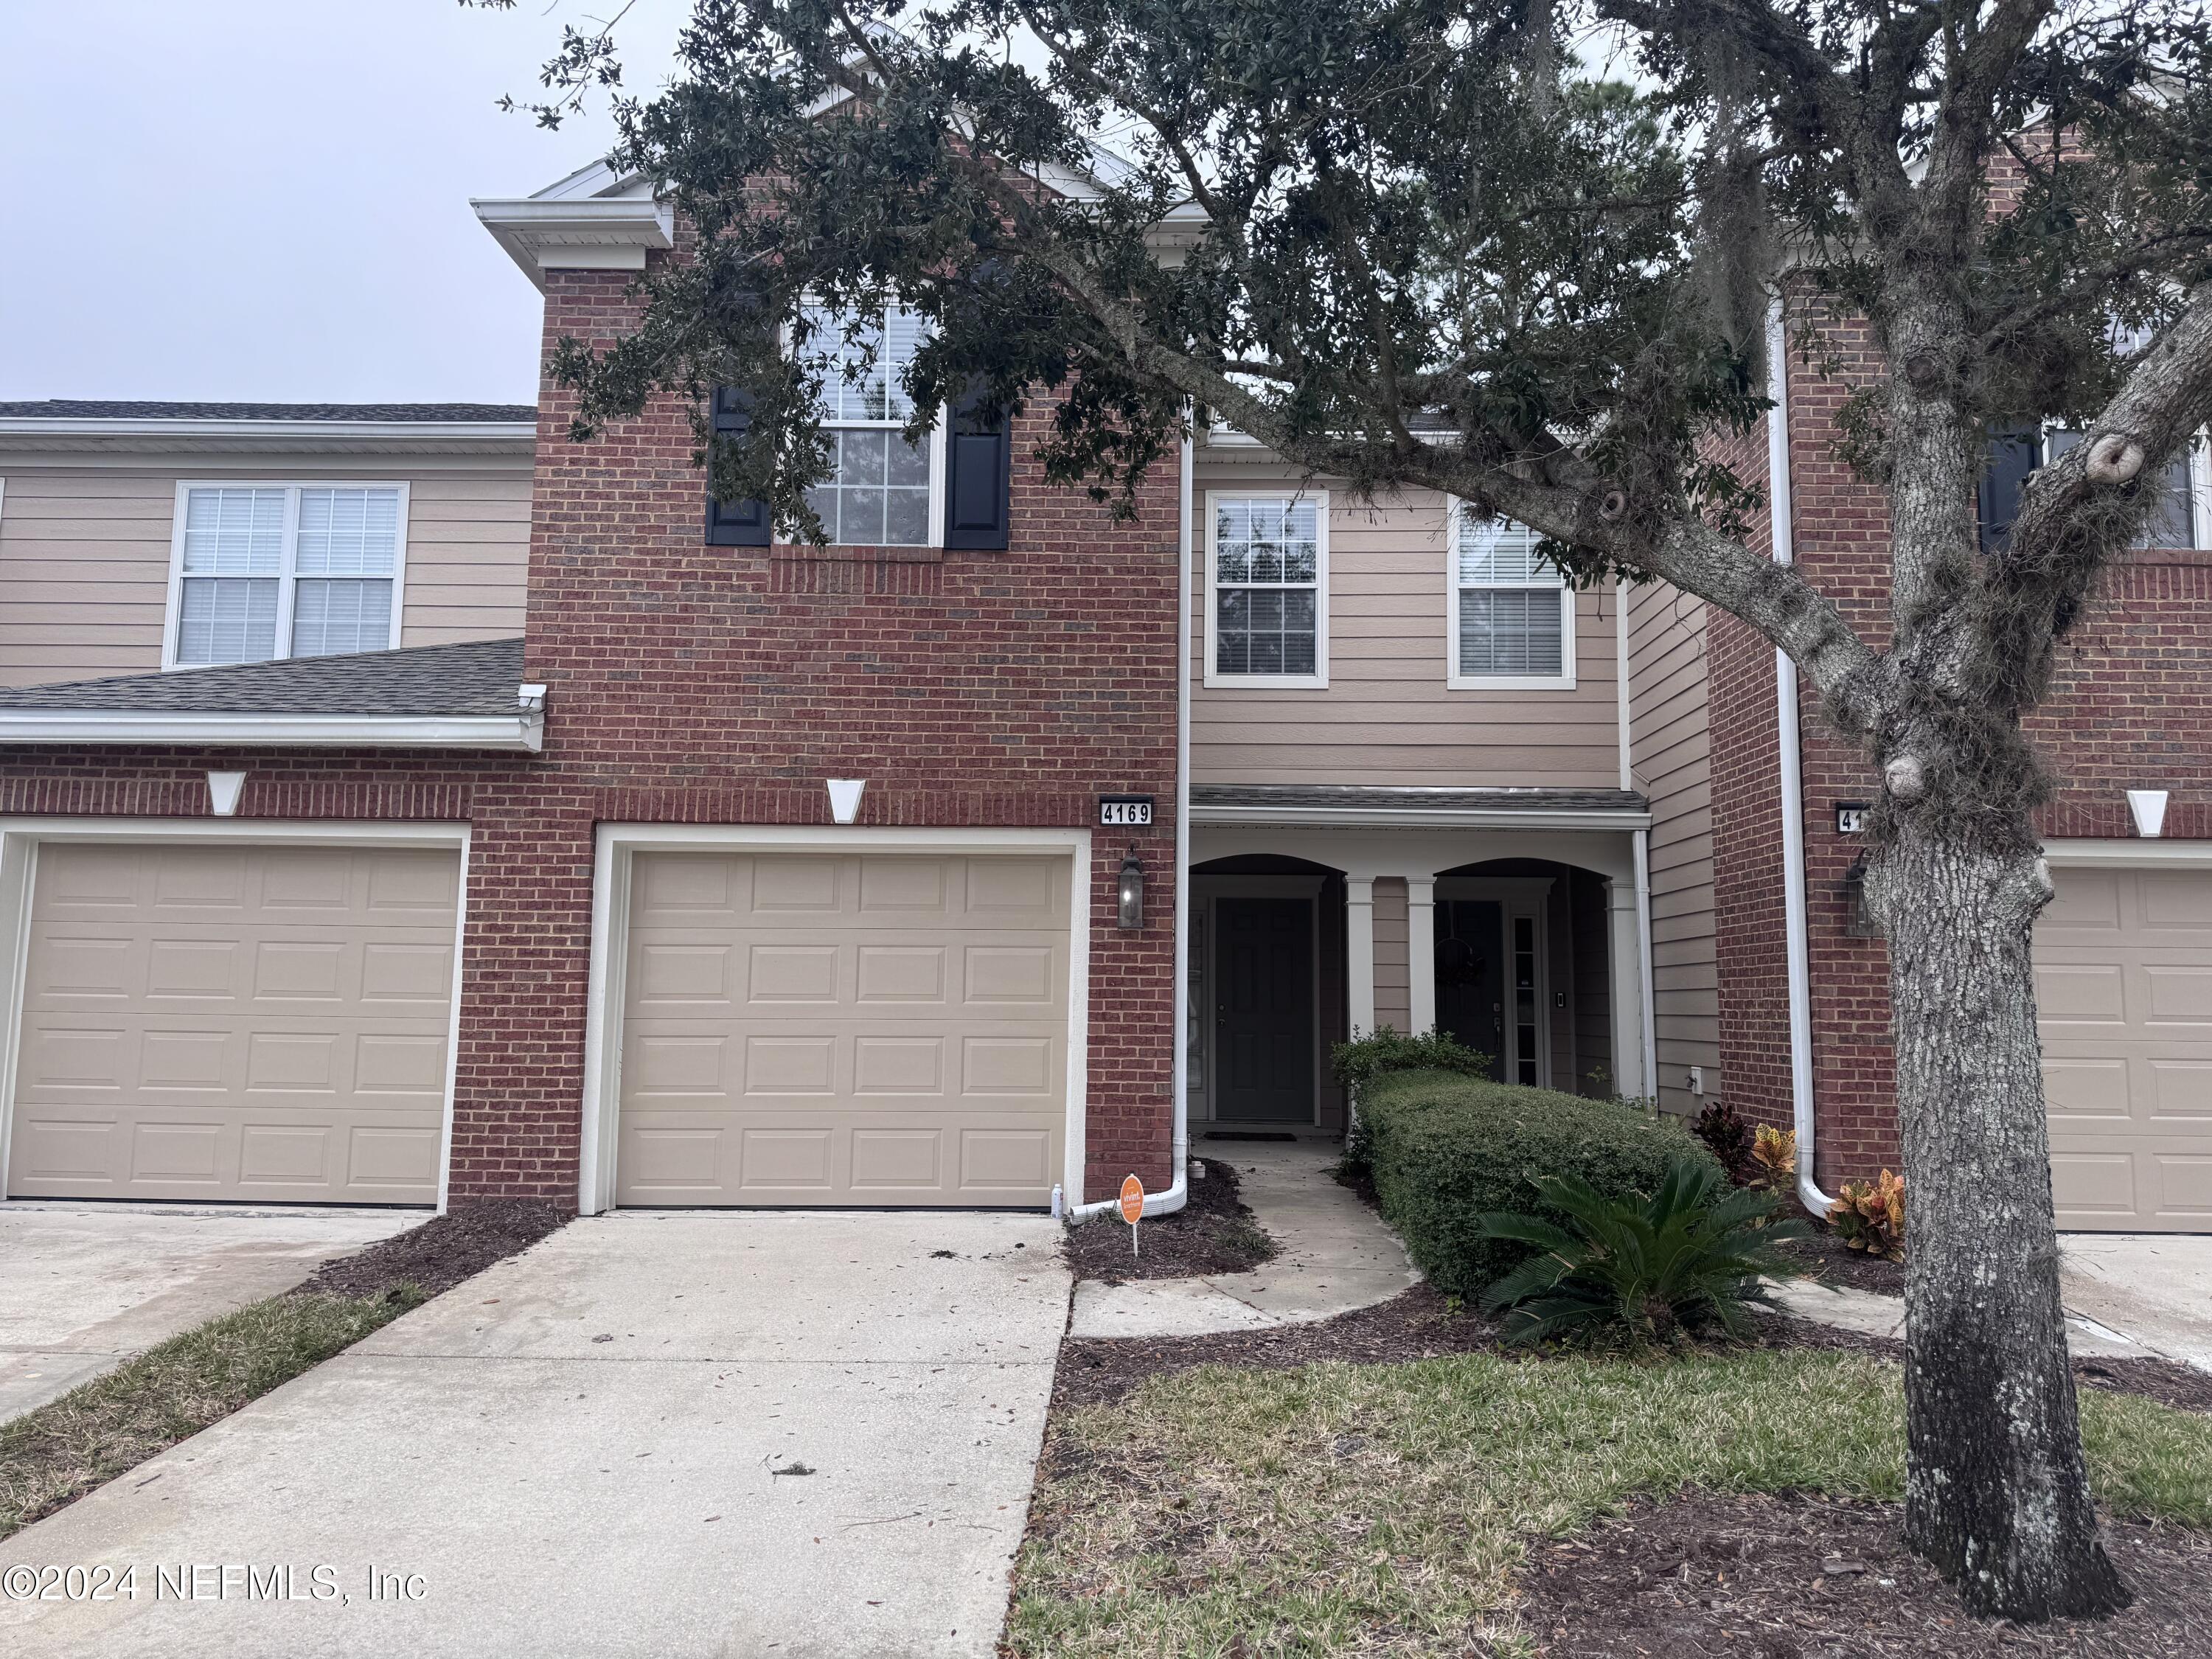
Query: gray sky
[(268, 199)]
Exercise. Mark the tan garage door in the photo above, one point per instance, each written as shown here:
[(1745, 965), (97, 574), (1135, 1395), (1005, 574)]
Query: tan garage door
[(259, 1023), (844, 1030), (2124, 979)]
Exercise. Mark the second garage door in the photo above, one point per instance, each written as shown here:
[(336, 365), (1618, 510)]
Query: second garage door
[(2123, 985), (259, 1023), (854, 1030)]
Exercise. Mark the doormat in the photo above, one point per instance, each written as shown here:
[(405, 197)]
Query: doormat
[(1249, 1134)]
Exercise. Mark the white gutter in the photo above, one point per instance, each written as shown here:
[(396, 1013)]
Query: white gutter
[(524, 730), (1178, 1193), (1423, 817), (1797, 946), (159, 427)]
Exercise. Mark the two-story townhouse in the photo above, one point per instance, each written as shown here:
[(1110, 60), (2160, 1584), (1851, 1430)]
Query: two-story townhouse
[(751, 874), (1772, 978)]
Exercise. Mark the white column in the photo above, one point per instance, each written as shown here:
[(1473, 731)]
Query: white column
[(1359, 952), (1625, 951), (1421, 951)]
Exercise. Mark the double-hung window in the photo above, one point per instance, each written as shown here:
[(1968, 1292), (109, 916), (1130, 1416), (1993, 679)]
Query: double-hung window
[(2015, 451), (284, 570), (1511, 615), (1267, 587), (880, 491)]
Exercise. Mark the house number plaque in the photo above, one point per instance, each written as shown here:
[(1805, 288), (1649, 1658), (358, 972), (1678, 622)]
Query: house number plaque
[(1125, 811)]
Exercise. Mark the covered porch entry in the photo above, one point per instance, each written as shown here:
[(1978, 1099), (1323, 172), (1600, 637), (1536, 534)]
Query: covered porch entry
[(1526, 945)]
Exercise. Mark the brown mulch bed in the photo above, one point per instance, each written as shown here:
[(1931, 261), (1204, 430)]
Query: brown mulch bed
[(441, 1252), (1834, 1262), (1212, 1233), (1421, 1324), (1797, 1577)]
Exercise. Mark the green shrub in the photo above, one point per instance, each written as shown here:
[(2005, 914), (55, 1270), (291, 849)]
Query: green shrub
[(1691, 1257), (1384, 1050), (1446, 1148)]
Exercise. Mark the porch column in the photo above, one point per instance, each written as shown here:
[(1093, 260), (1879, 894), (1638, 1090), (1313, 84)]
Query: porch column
[(1625, 963), (1359, 952), (1421, 951)]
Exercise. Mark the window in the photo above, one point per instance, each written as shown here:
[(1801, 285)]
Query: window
[(1267, 609), (1512, 614), (2016, 451), (284, 570), (879, 489)]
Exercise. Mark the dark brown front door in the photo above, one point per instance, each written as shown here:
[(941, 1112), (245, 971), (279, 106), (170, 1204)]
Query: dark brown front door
[(1263, 1016), (1471, 977)]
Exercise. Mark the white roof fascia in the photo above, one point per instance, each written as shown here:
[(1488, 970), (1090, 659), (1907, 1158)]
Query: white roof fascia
[(523, 730), (173, 434), (598, 233), (1426, 818)]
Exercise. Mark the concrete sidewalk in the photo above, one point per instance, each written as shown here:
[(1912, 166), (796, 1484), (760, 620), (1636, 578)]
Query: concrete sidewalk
[(659, 1435), (1336, 1255), (85, 1286)]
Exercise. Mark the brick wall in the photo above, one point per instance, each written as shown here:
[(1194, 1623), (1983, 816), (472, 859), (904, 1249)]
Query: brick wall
[(2132, 707), (699, 684)]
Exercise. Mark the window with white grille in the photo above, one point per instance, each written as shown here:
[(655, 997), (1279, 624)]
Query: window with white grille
[(878, 491), (1267, 614), (1512, 612), (285, 570)]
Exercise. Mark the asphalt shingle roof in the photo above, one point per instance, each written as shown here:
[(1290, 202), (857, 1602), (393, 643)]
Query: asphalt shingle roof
[(478, 677), (66, 408)]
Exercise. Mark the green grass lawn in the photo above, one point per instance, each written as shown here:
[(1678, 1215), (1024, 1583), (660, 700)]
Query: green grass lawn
[(54, 1455), (1385, 1508)]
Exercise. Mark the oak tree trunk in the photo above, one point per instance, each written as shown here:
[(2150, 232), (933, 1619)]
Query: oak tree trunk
[(1997, 1494)]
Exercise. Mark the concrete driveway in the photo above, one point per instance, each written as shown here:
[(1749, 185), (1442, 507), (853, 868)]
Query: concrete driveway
[(2154, 1289), (656, 1435), (85, 1286)]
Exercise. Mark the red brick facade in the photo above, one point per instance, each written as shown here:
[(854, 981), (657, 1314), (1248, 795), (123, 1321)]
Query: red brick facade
[(699, 684), (2132, 707)]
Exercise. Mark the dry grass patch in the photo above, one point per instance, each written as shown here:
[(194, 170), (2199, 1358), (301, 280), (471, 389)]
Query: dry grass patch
[(55, 1454), (1362, 1510)]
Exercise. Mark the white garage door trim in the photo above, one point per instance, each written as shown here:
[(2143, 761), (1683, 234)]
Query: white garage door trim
[(21, 838), (2132, 854), (618, 843)]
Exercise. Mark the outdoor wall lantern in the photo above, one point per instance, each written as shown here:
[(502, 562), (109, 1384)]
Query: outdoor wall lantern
[(1129, 914)]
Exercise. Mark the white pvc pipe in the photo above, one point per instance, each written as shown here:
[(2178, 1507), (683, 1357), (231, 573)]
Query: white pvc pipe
[(1178, 1192), (1797, 943)]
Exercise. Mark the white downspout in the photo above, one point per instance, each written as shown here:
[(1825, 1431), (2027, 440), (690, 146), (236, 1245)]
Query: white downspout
[(1650, 992), (1797, 942), (1178, 1193)]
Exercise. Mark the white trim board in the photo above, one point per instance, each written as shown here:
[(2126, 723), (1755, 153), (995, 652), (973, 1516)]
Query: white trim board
[(524, 729), (614, 849), (21, 838), (2154, 854)]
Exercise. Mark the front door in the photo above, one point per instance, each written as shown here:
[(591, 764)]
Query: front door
[(1470, 978), (1263, 1018)]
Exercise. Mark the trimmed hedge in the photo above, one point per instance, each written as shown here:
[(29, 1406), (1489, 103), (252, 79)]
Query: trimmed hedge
[(1443, 1149)]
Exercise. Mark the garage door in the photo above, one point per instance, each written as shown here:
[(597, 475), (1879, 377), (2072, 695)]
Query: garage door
[(2123, 977), (859, 1029), (267, 1023)]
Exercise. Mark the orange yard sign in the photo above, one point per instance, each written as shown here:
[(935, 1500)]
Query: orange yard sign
[(1133, 1199)]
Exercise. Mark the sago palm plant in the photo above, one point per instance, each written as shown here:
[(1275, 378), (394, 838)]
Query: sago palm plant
[(1643, 1271)]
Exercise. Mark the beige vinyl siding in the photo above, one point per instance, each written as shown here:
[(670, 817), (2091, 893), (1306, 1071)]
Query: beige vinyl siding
[(84, 558), (1394, 991), (1386, 716), (1670, 743)]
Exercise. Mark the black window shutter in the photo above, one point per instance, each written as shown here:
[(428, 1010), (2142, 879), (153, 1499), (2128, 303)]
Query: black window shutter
[(734, 524), (979, 470), (2015, 451)]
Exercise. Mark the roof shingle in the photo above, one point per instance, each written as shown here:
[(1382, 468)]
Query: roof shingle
[(476, 678), (68, 409)]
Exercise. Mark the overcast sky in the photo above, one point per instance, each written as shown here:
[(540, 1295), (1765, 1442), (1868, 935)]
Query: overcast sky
[(269, 199)]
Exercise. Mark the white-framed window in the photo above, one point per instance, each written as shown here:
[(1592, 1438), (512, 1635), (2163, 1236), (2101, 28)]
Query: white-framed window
[(882, 491), (2174, 522), (259, 571), (1267, 589), (1509, 614)]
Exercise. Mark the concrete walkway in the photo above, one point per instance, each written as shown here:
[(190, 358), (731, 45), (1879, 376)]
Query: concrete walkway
[(658, 1435), (1336, 1255), (2128, 1296), (85, 1286)]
